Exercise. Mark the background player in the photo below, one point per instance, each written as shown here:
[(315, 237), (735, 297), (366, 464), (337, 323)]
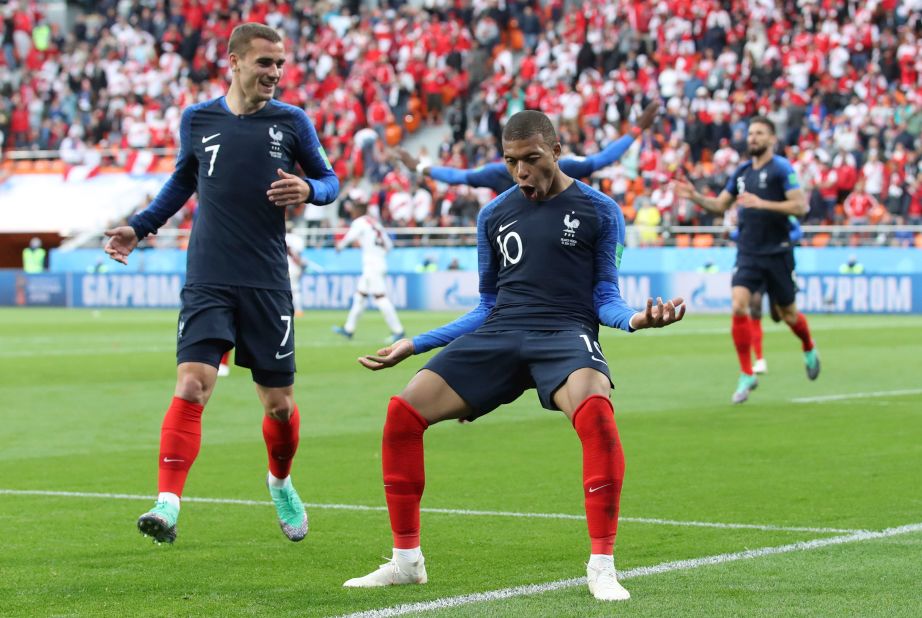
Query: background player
[(767, 192), (235, 151), (549, 251), (756, 304), (375, 243), (497, 176)]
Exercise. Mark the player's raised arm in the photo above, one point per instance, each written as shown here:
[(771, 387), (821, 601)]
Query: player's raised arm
[(582, 168)]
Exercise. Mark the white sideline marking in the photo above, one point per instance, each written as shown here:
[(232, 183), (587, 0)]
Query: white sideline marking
[(868, 395), (665, 567), (362, 507)]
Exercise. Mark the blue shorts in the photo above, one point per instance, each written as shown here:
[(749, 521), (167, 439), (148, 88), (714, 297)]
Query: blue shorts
[(490, 369), (259, 323), (767, 273)]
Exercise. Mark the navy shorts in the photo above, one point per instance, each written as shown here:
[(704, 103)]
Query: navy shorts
[(490, 369), (259, 323), (767, 273)]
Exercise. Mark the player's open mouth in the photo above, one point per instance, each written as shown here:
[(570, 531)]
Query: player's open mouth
[(530, 192)]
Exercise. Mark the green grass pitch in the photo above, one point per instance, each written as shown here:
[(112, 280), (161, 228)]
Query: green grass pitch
[(793, 476)]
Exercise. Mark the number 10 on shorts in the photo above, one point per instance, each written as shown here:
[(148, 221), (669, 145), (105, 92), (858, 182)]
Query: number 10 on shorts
[(590, 344)]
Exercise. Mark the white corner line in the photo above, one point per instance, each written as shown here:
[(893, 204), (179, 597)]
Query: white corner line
[(868, 395), (460, 512), (665, 567)]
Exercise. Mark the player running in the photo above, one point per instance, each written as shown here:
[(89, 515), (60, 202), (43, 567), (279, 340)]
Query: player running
[(238, 152), (768, 192)]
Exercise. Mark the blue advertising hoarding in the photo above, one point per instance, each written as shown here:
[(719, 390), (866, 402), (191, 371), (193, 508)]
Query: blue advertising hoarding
[(457, 291)]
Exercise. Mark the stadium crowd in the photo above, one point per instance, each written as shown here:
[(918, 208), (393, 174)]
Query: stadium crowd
[(842, 81)]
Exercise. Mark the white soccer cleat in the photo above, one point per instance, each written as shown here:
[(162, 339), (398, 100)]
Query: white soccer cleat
[(223, 370), (760, 366), (395, 572), (603, 582)]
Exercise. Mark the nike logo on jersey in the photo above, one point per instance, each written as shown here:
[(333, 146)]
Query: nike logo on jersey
[(281, 356), (503, 227), (205, 140), (592, 490)]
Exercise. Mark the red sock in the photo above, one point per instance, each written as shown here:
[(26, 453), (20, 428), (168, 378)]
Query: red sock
[(802, 330), (755, 326), (225, 360), (603, 469), (404, 471), (742, 339), (180, 439), (281, 442)]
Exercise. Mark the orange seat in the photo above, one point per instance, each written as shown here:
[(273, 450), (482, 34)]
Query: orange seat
[(919, 240), (683, 240), (392, 134), (629, 213), (820, 240), (703, 241)]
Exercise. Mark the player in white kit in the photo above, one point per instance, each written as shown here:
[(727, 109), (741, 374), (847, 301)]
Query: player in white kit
[(375, 243)]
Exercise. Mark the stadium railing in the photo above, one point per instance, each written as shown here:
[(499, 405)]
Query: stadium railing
[(670, 236)]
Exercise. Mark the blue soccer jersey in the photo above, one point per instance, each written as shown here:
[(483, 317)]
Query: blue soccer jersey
[(545, 266), (231, 160), (497, 177), (763, 232)]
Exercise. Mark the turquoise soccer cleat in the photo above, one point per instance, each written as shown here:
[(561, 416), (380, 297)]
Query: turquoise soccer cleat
[(160, 522), (812, 360), (745, 384), (290, 510)]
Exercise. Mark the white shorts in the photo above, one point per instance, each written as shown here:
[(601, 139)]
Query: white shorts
[(372, 284)]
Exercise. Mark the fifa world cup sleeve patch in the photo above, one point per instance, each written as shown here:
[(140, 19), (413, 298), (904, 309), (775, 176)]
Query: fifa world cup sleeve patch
[(792, 181), (619, 251), (323, 155)]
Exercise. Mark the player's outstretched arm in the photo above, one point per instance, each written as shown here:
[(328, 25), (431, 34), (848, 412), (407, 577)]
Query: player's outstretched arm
[(122, 241), (389, 356), (659, 315)]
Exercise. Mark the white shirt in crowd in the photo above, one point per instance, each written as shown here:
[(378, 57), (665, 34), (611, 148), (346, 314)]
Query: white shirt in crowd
[(374, 242)]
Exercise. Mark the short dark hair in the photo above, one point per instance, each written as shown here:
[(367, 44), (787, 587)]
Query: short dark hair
[(528, 123), (765, 121), (244, 34)]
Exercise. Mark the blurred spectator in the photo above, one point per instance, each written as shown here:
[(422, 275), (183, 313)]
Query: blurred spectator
[(33, 257)]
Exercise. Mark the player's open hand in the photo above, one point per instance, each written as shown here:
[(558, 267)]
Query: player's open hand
[(289, 190), (659, 315), (650, 112), (122, 241), (389, 356)]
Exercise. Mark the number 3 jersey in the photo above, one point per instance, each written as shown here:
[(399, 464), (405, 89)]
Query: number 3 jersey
[(238, 236), (553, 265)]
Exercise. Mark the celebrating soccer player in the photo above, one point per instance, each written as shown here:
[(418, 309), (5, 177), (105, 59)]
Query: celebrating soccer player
[(767, 192), (549, 249), (497, 176), (238, 152)]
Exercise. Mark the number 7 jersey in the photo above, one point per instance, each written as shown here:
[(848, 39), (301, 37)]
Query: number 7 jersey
[(238, 236)]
